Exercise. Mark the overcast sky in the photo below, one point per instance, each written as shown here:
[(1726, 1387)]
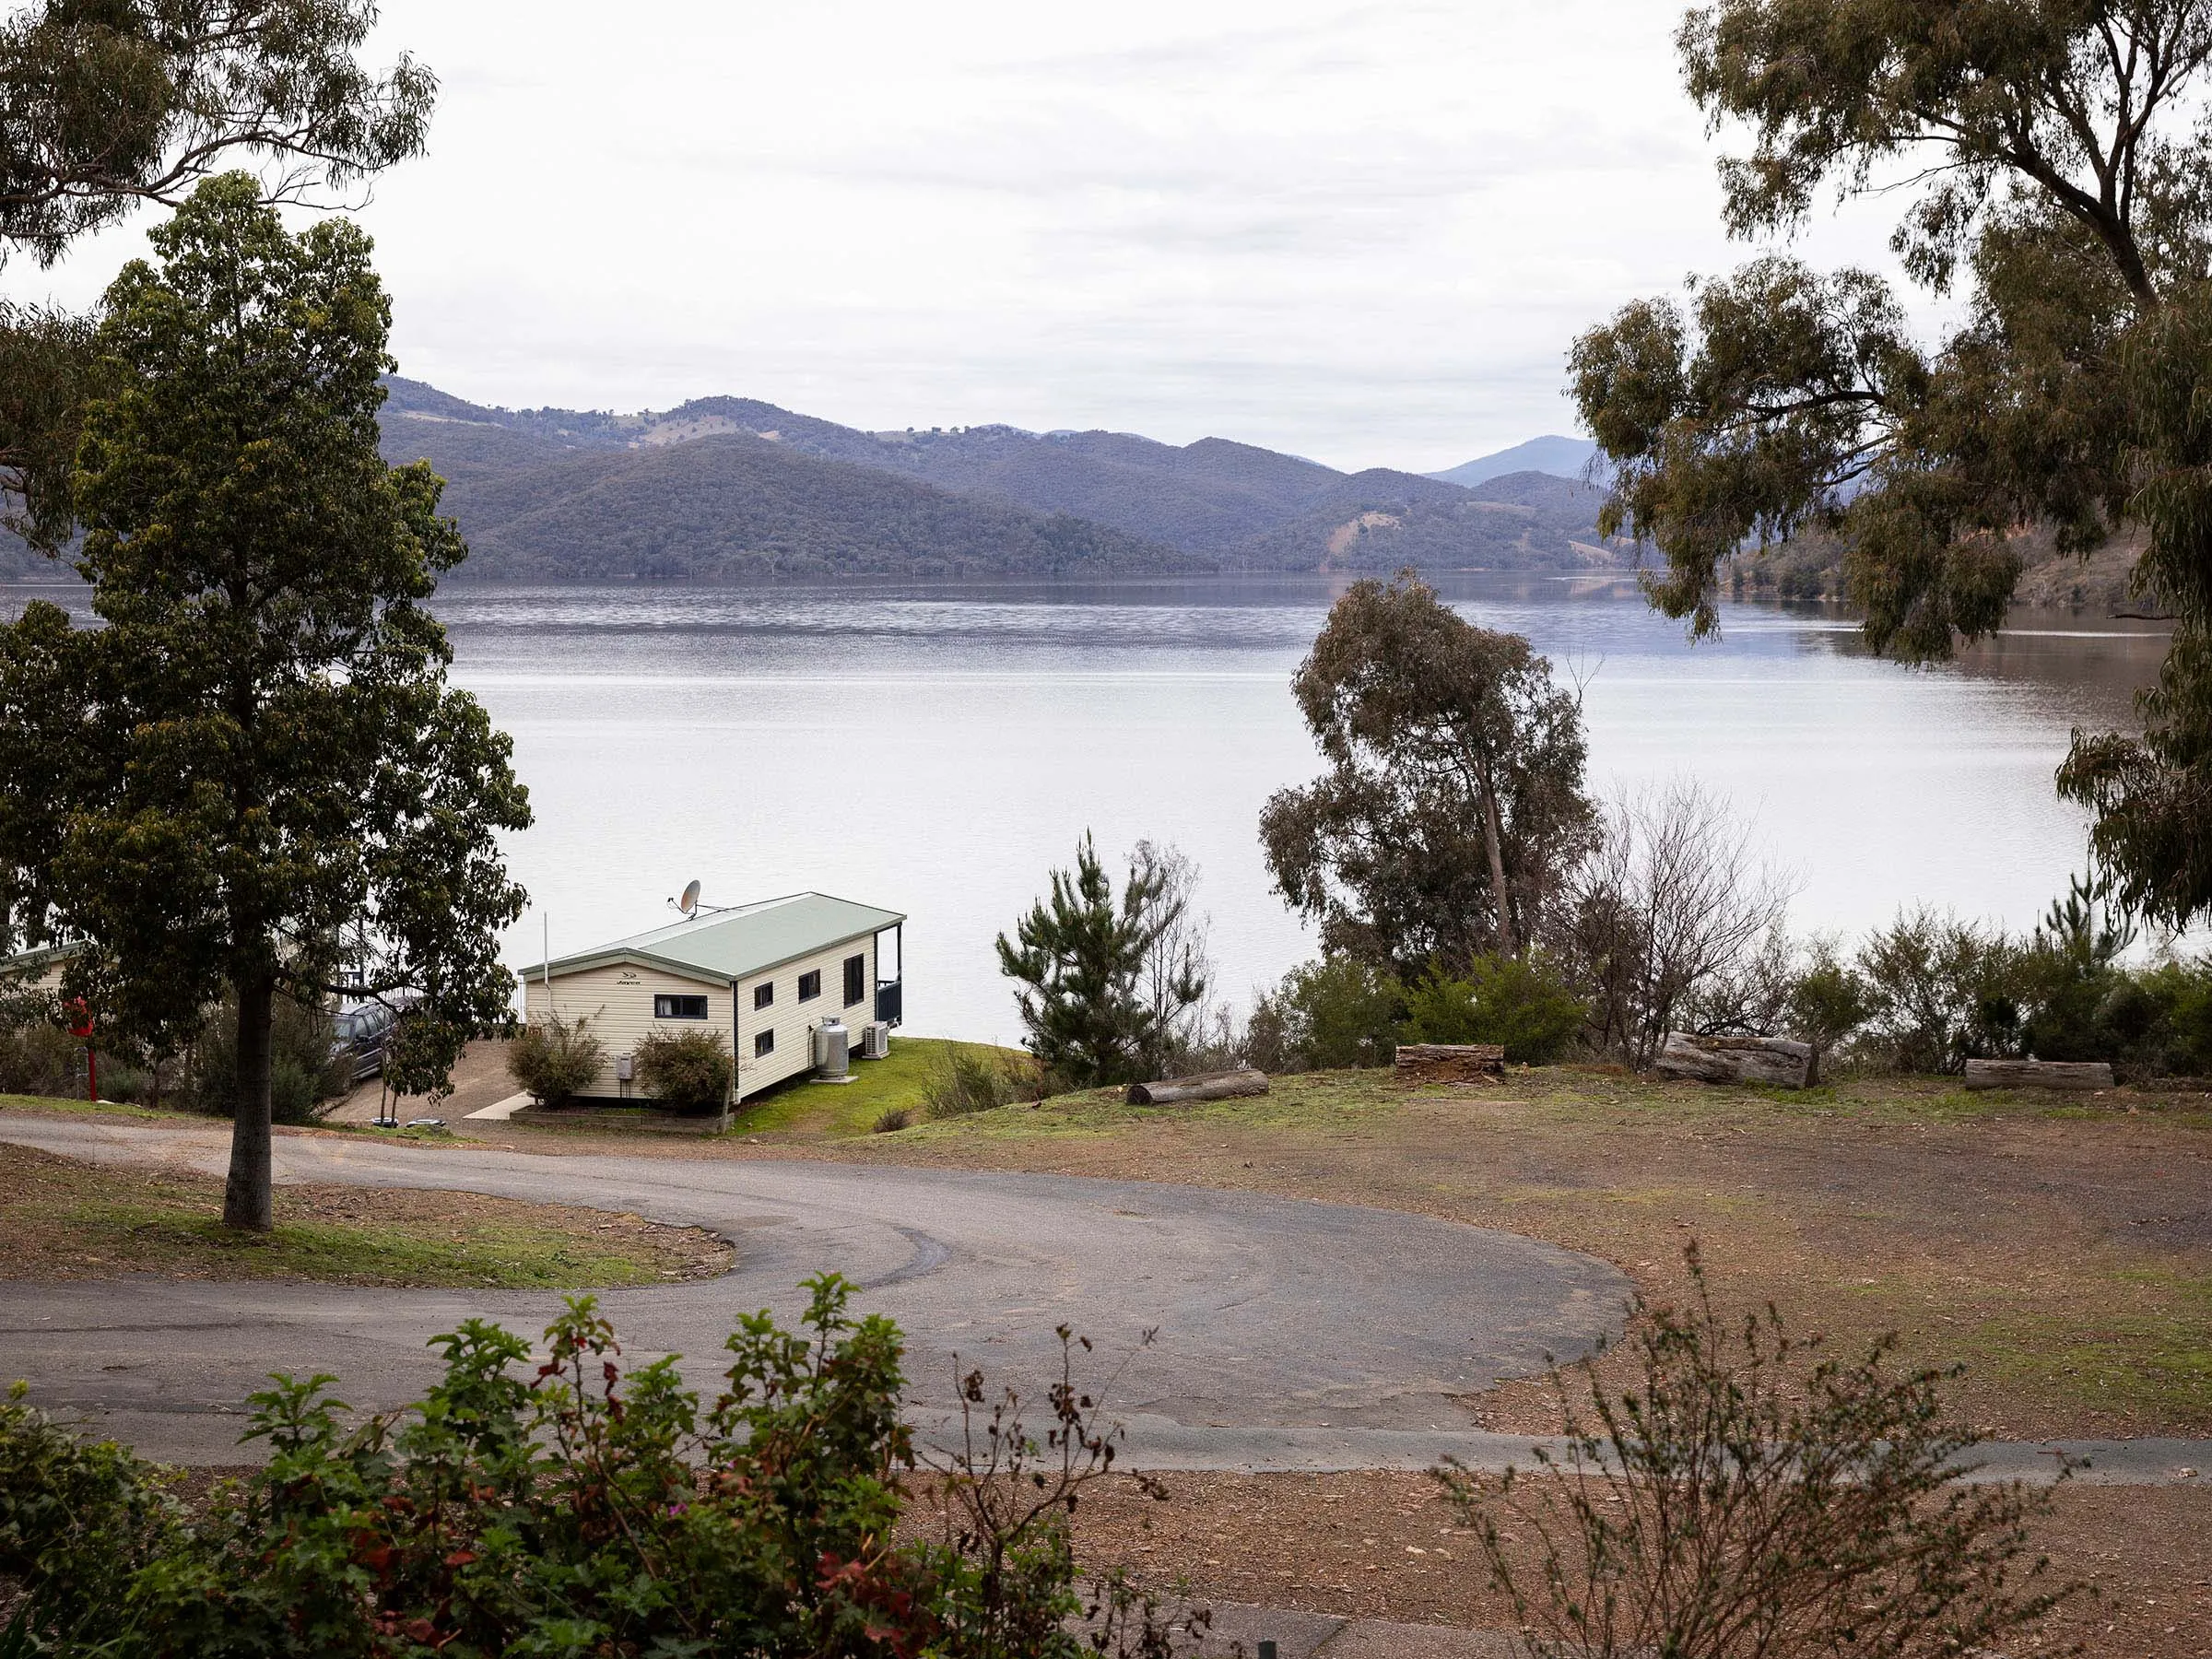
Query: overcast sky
[(1365, 234)]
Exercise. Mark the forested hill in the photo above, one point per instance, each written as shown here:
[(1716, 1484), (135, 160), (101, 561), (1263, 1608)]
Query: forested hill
[(729, 488)]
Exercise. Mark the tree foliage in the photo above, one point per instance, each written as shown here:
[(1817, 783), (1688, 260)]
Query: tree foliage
[(254, 775), (1096, 1000), (106, 105), (1454, 803), (2055, 175)]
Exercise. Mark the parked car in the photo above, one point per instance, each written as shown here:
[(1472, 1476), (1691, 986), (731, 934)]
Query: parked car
[(358, 1035)]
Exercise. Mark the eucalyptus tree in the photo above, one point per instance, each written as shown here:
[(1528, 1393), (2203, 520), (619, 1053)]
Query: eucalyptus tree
[(1453, 803), (107, 105), (2057, 178), (253, 779)]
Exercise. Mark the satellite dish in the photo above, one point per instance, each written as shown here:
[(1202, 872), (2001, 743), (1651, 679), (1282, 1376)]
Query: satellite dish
[(689, 903)]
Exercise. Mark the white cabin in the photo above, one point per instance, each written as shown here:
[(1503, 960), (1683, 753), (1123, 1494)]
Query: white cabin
[(766, 975)]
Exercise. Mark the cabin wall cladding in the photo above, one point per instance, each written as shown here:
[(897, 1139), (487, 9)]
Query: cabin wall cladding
[(792, 1021), (616, 1003)]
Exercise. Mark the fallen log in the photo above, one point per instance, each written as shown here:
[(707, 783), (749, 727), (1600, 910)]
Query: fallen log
[(1449, 1062), (1210, 1086), (1774, 1060), (2037, 1073)]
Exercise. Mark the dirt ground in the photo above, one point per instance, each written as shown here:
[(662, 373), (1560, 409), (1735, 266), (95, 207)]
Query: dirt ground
[(1388, 1545)]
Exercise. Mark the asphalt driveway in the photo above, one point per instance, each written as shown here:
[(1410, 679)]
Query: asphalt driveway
[(1329, 1333)]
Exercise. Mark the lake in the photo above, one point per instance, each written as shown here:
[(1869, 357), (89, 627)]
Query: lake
[(935, 749)]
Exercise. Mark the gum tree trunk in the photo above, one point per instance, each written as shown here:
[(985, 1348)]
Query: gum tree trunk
[(1493, 835), (248, 1200)]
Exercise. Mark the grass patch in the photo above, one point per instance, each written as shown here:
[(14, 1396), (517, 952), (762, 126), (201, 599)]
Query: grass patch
[(810, 1111), (52, 1105), (66, 1220)]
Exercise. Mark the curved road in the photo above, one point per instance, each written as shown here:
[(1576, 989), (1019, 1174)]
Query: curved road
[(1285, 1328)]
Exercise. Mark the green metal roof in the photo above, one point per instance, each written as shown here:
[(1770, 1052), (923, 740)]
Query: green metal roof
[(721, 945)]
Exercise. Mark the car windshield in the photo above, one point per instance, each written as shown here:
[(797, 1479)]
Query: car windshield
[(349, 1026)]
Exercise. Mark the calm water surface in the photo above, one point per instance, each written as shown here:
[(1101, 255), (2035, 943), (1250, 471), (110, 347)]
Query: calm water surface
[(935, 749)]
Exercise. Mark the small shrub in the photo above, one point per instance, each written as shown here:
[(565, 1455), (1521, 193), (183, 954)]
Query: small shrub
[(1939, 991), (687, 1071), (1749, 1494), (1520, 1002), (39, 1058), (1827, 1003), (2181, 993), (1326, 1015), (305, 1080), (553, 1059), (894, 1120), (968, 1079)]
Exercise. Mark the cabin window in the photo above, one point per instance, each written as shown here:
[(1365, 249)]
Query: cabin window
[(764, 1042), (764, 994), (679, 1008), (810, 985), (856, 979)]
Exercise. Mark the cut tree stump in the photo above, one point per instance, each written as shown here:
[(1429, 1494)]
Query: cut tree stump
[(2037, 1073), (1449, 1062), (1210, 1086), (1774, 1060)]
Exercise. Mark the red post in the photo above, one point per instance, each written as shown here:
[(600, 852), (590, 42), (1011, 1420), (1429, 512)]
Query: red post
[(83, 1028)]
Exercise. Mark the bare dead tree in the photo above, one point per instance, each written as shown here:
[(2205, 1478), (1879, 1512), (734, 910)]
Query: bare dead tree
[(1676, 917)]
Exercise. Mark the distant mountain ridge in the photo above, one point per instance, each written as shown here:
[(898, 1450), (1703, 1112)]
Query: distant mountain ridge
[(1561, 457), (732, 488)]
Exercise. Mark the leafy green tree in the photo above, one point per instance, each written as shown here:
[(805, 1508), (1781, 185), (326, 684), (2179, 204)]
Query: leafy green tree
[(1093, 1013), (1454, 799), (2054, 173), (108, 104), (258, 755)]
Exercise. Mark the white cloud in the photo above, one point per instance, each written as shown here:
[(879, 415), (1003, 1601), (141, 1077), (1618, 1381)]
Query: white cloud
[(1363, 233)]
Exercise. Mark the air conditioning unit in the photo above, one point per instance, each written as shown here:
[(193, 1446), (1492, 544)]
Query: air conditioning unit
[(876, 1040), (833, 1051)]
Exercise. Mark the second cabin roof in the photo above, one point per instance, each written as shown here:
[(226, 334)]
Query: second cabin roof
[(722, 945)]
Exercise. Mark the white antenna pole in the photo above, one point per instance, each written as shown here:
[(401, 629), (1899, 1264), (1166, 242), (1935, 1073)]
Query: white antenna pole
[(545, 921)]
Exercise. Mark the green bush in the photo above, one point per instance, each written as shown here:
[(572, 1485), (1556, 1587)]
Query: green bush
[(1939, 991), (553, 1059), (1826, 1001), (303, 1077), (573, 1509), (1521, 1002), (2180, 994), (687, 1071), (1326, 1015), (38, 1057)]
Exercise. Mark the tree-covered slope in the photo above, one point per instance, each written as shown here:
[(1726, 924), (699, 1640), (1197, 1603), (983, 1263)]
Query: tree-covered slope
[(732, 487)]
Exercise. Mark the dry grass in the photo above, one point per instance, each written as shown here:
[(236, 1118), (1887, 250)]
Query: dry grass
[(2060, 1248)]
